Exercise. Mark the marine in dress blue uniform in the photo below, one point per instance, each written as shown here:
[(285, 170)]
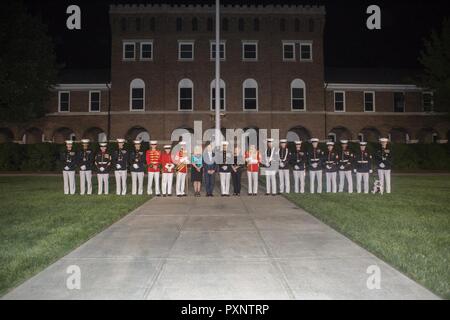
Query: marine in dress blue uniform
[(345, 167), (137, 168), (331, 163), (69, 159), (383, 158), (85, 163), (315, 163), (103, 163), (298, 162), (120, 166), (284, 156), (363, 167)]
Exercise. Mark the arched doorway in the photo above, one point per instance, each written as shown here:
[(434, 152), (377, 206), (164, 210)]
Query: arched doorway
[(33, 135), (298, 133), (6, 135), (138, 133), (95, 134), (427, 135), (62, 134), (398, 135), (340, 133), (369, 134)]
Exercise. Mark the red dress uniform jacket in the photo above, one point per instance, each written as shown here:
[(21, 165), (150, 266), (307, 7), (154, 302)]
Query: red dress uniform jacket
[(181, 161), (253, 167), (153, 158), (166, 159)]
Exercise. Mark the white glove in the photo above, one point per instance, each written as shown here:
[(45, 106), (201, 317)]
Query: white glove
[(342, 167), (382, 165), (102, 169), (354, 170), (224, 167), (314, 165), (66, 168), (370, 171), (296, 167), (282, 164), (328, 167), (135, 166), (254, 161), (83, 167), (118, 166)]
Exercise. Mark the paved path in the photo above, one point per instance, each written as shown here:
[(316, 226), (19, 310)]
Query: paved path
[(219, 248)]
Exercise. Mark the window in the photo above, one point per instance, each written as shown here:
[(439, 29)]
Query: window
[(250, 95), (332, 137), (298, 95), (427, 101), (137, 95), (289, 51), (399, 102), (152, 24), (209, 24), (434, 138), (221, 50), (225, 24), (63, 101), (129, 51), (305, 51), (147, 50), (311, 25), (213, 95), (123, 24), (186, 50), (249, 51), (94, 101), (339, 101), (241, 24), (185, 95), (194, 24), (369, 101), (138, 24), (256, 24), (179, 24), (297, 25), (282, 24)]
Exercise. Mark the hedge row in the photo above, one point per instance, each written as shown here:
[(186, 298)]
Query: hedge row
[(45, 156)]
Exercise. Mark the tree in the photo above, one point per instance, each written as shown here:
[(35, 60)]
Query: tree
[(27, 64), (436, 62)]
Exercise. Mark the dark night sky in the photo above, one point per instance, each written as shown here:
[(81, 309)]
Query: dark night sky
[(347, 41)]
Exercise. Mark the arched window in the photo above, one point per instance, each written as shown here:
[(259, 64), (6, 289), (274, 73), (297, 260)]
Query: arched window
[(137, 23), (152, 24), (123, 24), (297, 25), (213, 95), (241, 24), (282, 24), (250, 95), (209, 24), (137, 95), (179, 23), (185, 95), (298, 100), (224, 24), (194, 24), (256, 24), (311, 25)]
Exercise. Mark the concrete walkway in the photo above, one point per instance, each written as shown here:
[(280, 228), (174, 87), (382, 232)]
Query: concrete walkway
[(244, 247)]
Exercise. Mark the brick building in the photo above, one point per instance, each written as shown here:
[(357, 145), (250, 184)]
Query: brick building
[(272, 71)]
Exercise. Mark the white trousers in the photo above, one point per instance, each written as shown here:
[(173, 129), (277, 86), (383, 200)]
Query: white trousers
[(167, 180), (299, 180), (385, 177), (362, 176), (121, 182), (343, 175), (85, 181), (285, 183), (153, 176), (103, 181), (331, 181), (315, 175), (69, 182), (180, 184), (252, 182), (271, 181), (225, 182), (137, 182)]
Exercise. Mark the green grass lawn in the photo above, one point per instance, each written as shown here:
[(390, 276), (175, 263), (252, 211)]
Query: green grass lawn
[(409, 229), (39, 224)]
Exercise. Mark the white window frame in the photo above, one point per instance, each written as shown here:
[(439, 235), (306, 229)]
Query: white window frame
[(364, 101), (124, 44), (59, 101), (184, 42), (291, 43), (432, 100), (211, 43), (179, 94), (304, 95), (131, 94), (150, 42), (246, 42), (404, 102), (211, 87), (310, 45), (334, 100), (99, 100), (333, 135), (243, 95)]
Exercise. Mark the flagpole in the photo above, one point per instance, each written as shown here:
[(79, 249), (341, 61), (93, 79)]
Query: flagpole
[(217, 88)]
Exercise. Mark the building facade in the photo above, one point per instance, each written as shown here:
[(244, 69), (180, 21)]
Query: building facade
[(272, 76)]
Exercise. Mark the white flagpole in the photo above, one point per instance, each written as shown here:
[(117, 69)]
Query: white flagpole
[(217, 89)]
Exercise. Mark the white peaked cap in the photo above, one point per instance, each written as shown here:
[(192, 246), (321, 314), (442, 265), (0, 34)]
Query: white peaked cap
[(344, 141), (330, 143), (225, 143), (314, 140), (298, 142), (120, 140), (153, 142), (283, 140), (363, 143), (85, 141), (69, 141), (103, 144), (269, 140), (167, 146), (137, 141), (384, 139)]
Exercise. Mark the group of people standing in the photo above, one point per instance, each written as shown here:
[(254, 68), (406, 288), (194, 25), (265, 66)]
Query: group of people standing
[(205, 164)]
